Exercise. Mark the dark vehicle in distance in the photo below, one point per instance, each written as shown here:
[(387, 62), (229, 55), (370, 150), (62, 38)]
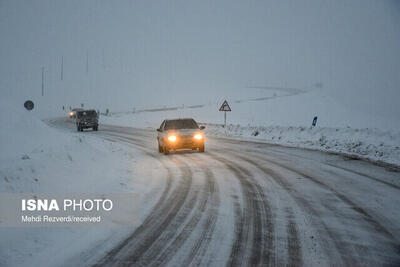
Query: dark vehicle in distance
[(72, 113), (178, 134), (87, 119)]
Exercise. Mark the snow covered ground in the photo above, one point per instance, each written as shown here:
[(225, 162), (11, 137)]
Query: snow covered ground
[(54, 158), (36, 158)]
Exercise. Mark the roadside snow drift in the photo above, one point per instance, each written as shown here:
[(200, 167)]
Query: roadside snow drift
[(36, 158), (21, 133), (369, 144)]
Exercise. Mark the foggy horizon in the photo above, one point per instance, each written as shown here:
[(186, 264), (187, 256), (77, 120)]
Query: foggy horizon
[(143, 53), (299, 167)]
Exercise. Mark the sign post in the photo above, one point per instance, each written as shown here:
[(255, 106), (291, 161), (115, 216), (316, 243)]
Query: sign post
[(225, 107), (314, 122), (224, 119)]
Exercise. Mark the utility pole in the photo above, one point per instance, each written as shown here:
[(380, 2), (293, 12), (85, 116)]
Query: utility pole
[(87, 62), (62, 68), (42, 81)]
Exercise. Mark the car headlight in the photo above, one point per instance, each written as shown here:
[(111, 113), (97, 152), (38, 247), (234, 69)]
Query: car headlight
[(71, 113), (172, 138), (198, 136)]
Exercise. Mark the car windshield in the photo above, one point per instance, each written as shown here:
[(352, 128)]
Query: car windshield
[(86, 114), (180, 124)]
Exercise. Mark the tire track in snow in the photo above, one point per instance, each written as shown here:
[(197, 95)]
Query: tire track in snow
[(134, 247), (364, 175), (200, 247), (254, 224), (367, 217), (293, 240), (188, 228), (344, 248), (183, 199), (168, 251), (168, 185), (170, 239), (294, 244), (304, 204)]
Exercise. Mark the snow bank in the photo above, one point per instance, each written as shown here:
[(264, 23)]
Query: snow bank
[(22, 133), (369, 144)]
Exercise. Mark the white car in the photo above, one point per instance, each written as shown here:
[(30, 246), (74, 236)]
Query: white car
[(176, 134)]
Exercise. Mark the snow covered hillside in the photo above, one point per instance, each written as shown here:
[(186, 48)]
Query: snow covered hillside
[(272, 106)]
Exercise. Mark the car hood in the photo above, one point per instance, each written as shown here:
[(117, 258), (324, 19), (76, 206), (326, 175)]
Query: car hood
[(184, 132)]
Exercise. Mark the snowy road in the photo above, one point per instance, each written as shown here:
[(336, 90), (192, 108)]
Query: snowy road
[(244, 203)]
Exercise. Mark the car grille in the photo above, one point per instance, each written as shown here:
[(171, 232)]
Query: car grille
[(186, 139)]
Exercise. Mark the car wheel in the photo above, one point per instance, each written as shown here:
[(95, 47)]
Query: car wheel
[(166, 150), (201, 149)]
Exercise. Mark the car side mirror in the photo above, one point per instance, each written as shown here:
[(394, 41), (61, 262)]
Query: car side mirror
[(202, 127), (159, 130)]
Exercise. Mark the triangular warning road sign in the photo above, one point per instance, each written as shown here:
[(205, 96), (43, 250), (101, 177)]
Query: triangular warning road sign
[(225, 107)]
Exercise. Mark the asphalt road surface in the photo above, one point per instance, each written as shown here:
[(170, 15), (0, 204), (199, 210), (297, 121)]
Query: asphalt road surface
[(252, 204)]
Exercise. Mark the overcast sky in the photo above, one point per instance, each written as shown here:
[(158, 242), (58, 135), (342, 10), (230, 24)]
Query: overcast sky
[(173, 52)]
